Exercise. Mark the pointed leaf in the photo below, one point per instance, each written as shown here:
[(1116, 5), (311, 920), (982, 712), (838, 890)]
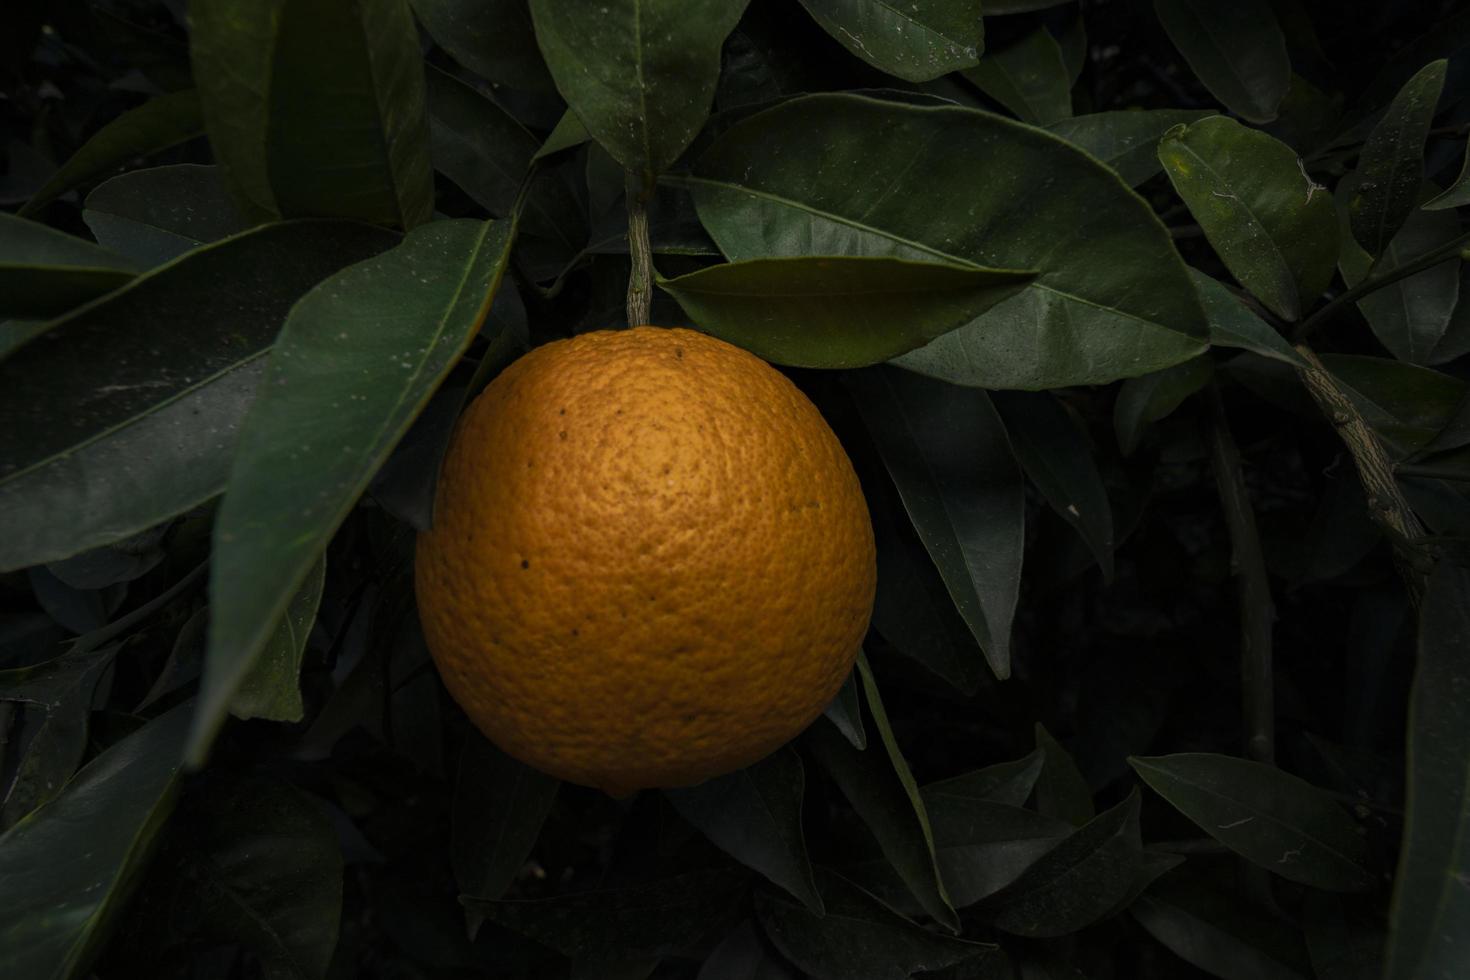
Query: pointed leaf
[(640, 74), (948, 454), (879, 178), (272, 687), (1030, 78), (492, 38), (1155, 396), (846, 712), (357, 360), (1430, 917), (70, 865), (1405, 404), (1237, 49), (157, 124), (165, 369), (1282, 823), (316, 109), (1215, 933), (1007, 783), (859, 938), (1061, 790), (837, 311), (1274, 228), (1392, 162), (1232, 324), (983, 847), (917, 41), (1457, 195), (154, 216), (45, 272), (1125, 140)]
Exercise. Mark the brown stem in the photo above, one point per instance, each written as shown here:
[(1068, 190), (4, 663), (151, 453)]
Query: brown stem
[(640, 276)]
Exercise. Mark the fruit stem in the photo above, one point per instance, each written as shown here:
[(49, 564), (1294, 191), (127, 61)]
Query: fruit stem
[(640, 276)]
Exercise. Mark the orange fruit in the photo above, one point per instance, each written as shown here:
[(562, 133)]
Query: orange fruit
[(651, 561)]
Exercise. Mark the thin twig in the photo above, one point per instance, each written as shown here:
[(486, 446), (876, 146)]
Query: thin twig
[(1257, 611), (640, 275)]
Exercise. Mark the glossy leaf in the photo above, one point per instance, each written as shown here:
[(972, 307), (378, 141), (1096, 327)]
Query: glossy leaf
[(492, 38), (568, 134), (154, 216), (640, 74), (1215, 933), (1030, 78), (165, 369), (1007, 783), (745, 954), (1391, 165), (1061, 790), (1155, 396), (1430, 917), (859, 938), (1056, 454), (917, 41), (1272, 818), (157, 124), (882, 791), (45, 272), (846, 713), (646, 921), (1457, 195), (948, 454), (1232, 324), (983, 847), (70, 865), (355, 363), (316, 109), (837, 311), (1237, 49), (879, 178), (476, 143), (271, 689), (754, 815), (1274, 228), (1077, 882), (1125, 140)]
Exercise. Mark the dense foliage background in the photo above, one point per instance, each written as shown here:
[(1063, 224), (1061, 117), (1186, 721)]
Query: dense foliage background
[(1170, 666)]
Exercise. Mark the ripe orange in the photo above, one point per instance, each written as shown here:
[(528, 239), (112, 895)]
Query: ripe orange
[(651, 561)]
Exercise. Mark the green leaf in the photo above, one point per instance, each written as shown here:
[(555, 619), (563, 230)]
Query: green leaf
[(1391, 164), (477, 144), (356, 361), (1282, 823), (1237, 49), (492, 38), (1077, 882), (1155, 396), (1030, 78), (499, 807), (846, 713), (165, 369), (316, 109), (745, 955), (879, 178), (1061, 790), (1056, 453), (640, 74), (69, 866), (157, 124), (837, 311), (154, 216), (885, 796), (1232, 324), (1220, 934), (1126, 140), (949, 456), (1407, 405), (1457, 195), (569, 133), (652, 920), (918, 41), (1429, 922), (1007, 783), (983, 847), (271, 689), (45, 272), (859, 938), (754, 815), (1274, 228)]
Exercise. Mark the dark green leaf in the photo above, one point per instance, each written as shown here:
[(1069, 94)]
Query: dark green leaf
[(71, 864), (1054, 450), (1237, 49), (358, 358), (983, 847), (745, 955), (1392, 162), (154, 380), (1407, 405), (569, 133), (1430, 918), (271, 689), (1077, 882), (1125, 140), (837, 311), (492, 38), (154, 216), (1220, 934), (754, 815), (1232, 324), (859, 938), (1030, 78), (879, 178), (846, 713), (1274, 228), (1457, 195), (316, 109), (1343, 945), (45, 272), (1282, 823), (651, 921), (1007, 783), (948, 454), (155, 125), (1155, 396), (640, 74), (917, 41), (476, 143), (1061, 790)]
